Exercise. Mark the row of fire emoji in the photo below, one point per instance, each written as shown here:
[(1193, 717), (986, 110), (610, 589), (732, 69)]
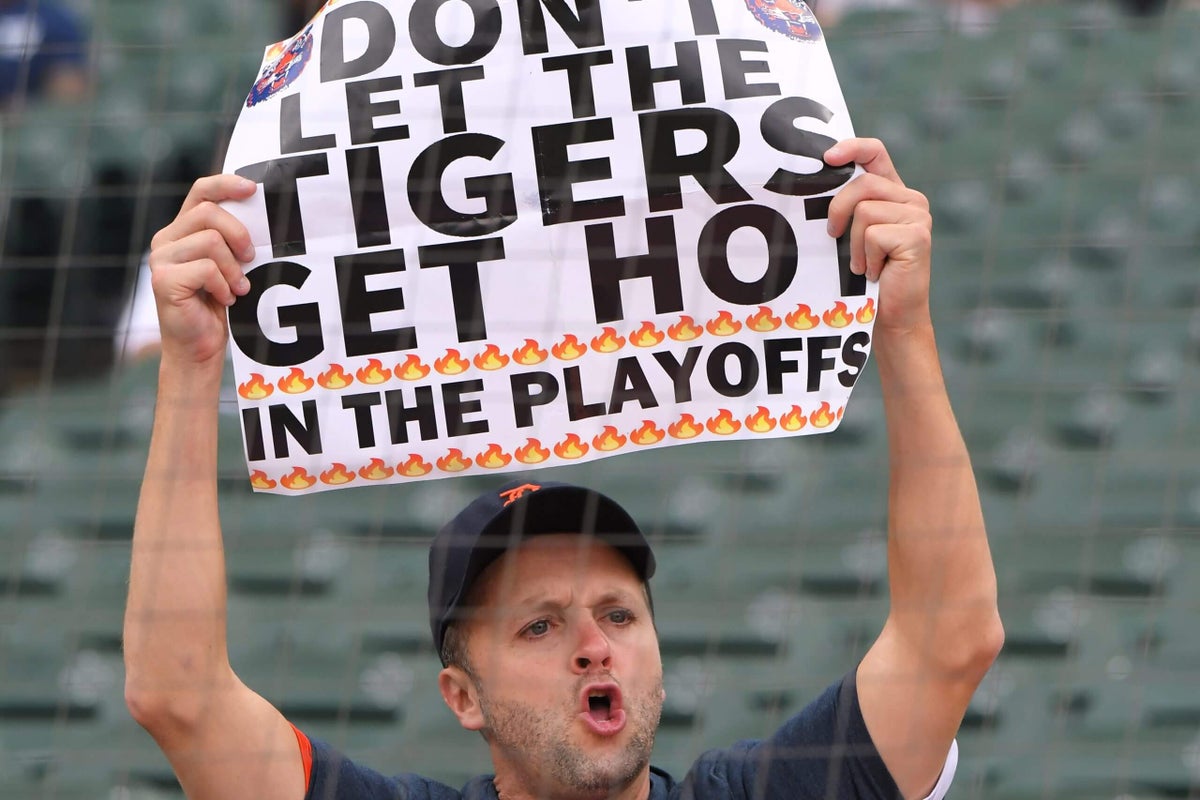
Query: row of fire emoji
[(570, 449), (569, 349)]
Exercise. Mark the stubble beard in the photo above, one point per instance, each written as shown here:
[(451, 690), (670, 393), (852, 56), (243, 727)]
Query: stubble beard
[(539, 742)]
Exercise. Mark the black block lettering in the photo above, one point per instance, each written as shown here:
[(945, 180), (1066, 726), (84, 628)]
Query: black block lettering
[(304, 318), (279, 178), (782, 254), (608, 270)]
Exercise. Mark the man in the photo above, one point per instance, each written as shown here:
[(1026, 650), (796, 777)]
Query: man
[(547, 632), (42, 52)]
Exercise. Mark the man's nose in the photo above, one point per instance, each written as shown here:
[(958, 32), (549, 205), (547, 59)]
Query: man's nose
[(593, 649)]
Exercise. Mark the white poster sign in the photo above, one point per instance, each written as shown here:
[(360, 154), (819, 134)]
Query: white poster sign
[(502, 234)]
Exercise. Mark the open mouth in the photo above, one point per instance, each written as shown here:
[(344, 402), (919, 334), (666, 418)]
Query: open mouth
[(600, 705), (601, 709)]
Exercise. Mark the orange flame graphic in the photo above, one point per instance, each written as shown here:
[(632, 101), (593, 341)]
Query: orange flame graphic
[(298, 481), (296, 382), (608, 341), (685, 330), (571, 448), (841, 412), (685, 428), (335, 378), (377, 470), (823, 417), (530, 355), (794, 420), (802, 319), (338, 475), (724, 325), (493, 458), (414, 467), (610, 439), (452, 363), (532, 452), (454, 461), (568, 349), (412, 369), (646, 336), (761, 422), (374, 373), (256, 388), (649, 433), (491, 359), (838, 316), (724, 424), (764, 321), (866, 313), (259, 480)]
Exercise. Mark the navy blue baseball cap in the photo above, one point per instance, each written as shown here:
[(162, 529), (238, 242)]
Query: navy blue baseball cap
[(499, 519)]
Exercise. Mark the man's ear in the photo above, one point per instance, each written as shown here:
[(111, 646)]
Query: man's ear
[(461, 696)]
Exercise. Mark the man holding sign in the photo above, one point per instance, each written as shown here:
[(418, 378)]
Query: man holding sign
[(548, 635)]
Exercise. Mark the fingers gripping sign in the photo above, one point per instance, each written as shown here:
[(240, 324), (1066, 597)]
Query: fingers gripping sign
[(890, 232), (196, 263)]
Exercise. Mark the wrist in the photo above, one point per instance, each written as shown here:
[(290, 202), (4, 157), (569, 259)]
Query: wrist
[(184, 379)]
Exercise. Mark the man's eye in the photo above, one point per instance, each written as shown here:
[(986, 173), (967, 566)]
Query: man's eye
[(538, 628), (620, 616)]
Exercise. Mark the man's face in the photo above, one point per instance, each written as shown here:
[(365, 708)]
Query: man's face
[(565, 664)]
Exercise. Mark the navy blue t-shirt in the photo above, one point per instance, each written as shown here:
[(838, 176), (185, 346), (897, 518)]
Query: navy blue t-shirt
[(36, 38), (822, 753)]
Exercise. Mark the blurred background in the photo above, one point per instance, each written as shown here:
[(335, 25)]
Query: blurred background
[(1058, 143)]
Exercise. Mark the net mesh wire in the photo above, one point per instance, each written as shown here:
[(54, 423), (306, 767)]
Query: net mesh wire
[(1057, 144)]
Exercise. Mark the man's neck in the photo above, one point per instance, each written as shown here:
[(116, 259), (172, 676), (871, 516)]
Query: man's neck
[(511, 787)]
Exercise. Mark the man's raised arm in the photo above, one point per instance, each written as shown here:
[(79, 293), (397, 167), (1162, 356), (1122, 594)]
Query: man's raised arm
[(223, 740), (943, 629)]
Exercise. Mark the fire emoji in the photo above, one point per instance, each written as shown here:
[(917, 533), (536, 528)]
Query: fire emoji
[(493, 458), (685, 428), (866, 313), (454, 461), (823, 417), (532, 452), (296, 382), (571, 448), (338, 475), (412, 369), (649, 433), (335, 378), (569, 349), (374, 373), (802, 319), (761, 421), (685, 330), (794, 420), (646, 336), (259, 480), (298, 481), (452, 363), (764, 321), (608, 341), (491, 359), (530, 355), (256, 388), (724, 424), (377, 470), (724, 325), (609, 440), (839, 316), (414, 467)]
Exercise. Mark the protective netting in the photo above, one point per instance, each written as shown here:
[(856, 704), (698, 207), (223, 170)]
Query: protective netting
[(1057, 143)]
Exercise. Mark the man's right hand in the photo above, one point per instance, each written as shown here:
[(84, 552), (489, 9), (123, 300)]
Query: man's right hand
[(196, 266)]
